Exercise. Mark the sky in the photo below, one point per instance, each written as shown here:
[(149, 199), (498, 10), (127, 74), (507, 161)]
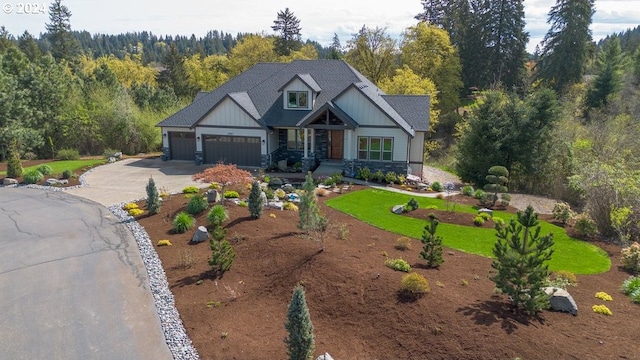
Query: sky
[(319, 20)]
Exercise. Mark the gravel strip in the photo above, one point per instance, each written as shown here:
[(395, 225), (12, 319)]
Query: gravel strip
[(174, 332)]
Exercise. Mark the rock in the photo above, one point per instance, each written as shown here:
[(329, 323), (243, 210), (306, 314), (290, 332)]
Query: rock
[(282, 165), (561, 300), (288, 188), (213, 196), (275, 183), (9, 181), (276, 205), (263, 196), (398, 209), (201, 235), (326, 355), (118, 155), (486, 211), (51, 182), (111, 160), (63, 182)]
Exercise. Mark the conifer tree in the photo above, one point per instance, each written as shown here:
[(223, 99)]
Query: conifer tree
[(496, 183), (14, 167), (432, 248), (222, 253), (300, 342), (153, 198), (520, 255), (255, 201), (63, 44), (308, 209), (608, 81), (288, 26)]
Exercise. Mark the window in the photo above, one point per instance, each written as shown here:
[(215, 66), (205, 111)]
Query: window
[(297, 99), (295, 139), (375, 148)]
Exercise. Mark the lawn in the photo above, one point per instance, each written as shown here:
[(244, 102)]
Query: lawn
[(58, 166), (373, 207)]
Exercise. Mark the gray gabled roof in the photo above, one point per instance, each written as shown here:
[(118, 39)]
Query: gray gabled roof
[(257, 91), (330, 106)]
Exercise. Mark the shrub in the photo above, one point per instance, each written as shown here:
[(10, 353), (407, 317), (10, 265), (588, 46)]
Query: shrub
[(190, 190), (222, 254), (585, 225), (436, 186), (440, 196), (255, 201), (562, 212), (485, 216), (32, 176), (378, 176), (164, 242), (30, 156), (328, 181), (290, 206), (68, 154), (499, 222), (66, 174), (411, 205), (364, 173), (322, 192), (630, 257), (136, 212), (398, 264), (403, 243), (243, 204), (269, 192), (217, 215), (414, 285), (230, 194), (183, 222), (467, 190), (153, 199), (562, 279), (300, 340), (390, 177), (478, 194), (603, 296), (505, 199), (196, 205), (272, 215), (601, 309), (14, 167), (280, 193), (432, 243), (129, 206), (215, 186), (478, 221), (631, 285), (109, 153), (401, 179)]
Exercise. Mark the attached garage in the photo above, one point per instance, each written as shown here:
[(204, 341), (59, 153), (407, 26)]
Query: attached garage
[(239, 150), (182, 145)]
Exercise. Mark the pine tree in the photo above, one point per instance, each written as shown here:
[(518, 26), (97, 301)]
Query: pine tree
[(255, 201), (496, 183), (175, 75), (153, 198), (300, 342), (335, 50), (288, 27), (566, 44), (308, 210), (608, 79), (222, 253), (63, 44), (432, 248), (14, 167), (520, 255)]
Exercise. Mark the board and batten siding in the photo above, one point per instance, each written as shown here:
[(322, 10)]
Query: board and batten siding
[(228, 113), (167, 130), (297, 85), (362, 110), (400, 139), (261, 133), (416, 153)]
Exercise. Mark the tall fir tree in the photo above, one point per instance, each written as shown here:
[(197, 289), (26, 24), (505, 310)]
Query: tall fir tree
[(566, 44), (335, 50), (520, 254), (610, 70), (174, 76), (14, 166), (153, 198), (308, 209), (287, 25), (63, 44), (300, 341), (255, 201)]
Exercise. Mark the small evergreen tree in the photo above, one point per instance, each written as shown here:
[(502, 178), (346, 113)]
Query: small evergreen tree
[(308, 209), (222, 253), (300, 342), (432, 248), (14, 167), (520, 255), (255, 201), (153, 198), (496, 183)]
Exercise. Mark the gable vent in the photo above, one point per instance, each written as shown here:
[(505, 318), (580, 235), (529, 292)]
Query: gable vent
[(363, 86)]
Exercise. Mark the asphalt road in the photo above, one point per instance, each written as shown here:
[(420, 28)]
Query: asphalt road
[(72, 283)]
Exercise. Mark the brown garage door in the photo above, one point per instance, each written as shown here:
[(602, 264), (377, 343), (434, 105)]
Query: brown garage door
[(239, 150), (182, 145)]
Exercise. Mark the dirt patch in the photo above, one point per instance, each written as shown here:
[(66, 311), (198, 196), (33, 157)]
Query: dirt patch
[(353, 299)]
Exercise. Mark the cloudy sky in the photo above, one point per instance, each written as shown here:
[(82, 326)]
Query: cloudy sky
[(319, 20)]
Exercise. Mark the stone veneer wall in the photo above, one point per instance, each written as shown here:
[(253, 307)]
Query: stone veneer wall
[(350, 167)]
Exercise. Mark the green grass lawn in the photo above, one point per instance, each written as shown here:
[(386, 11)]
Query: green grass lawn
[(58, 166), (373, 207)]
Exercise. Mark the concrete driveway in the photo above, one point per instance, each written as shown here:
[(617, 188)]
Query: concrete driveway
[(126, 180), (72, 283)]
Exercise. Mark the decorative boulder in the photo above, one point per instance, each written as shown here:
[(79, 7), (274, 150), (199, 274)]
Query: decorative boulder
[(398, 209), (486, 211), (213, 196), (201, 235), (51, 182), (275, 183), (561, 300), (288, 188), (118, 155), (9, 181), (263, 196), (324, 356)]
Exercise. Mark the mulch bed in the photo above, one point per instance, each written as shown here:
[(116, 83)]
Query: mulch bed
[(353, 297)]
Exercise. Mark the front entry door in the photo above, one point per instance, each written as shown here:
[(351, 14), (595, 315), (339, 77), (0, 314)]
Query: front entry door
[(336, 141)]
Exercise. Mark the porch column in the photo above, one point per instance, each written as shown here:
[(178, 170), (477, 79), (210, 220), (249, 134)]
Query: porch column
[(348, 150), (313, 141), (306, 146)]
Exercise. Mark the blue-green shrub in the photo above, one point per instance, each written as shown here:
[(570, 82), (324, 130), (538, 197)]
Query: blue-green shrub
[(32, 176), (467, 190), (44, 169), (436, 186), (398, 264)]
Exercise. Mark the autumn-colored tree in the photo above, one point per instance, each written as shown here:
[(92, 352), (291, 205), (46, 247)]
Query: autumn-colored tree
[(251, 50), (224, 174)]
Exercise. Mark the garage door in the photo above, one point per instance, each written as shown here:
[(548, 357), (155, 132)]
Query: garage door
[(239, 150), (182, 145)]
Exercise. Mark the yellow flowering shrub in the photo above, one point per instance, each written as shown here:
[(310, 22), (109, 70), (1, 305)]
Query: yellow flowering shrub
[(604, 296), (290, 206), (129, 206), (164, 242), (136, 212), (601, 309), (272, 215)]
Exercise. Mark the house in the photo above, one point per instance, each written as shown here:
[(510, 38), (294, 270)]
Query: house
[(306, 112)]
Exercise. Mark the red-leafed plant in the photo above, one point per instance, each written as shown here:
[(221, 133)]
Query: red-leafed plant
[(224, 174)]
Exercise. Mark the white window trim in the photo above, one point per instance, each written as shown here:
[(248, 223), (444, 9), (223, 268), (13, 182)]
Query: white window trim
[(299, 143), (297, 105), (368, 149)]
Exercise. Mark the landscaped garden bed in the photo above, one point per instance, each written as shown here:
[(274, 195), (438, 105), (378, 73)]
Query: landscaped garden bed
[(353, 297)]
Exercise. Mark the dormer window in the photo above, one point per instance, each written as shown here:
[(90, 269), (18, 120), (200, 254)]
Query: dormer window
[(298, 99)]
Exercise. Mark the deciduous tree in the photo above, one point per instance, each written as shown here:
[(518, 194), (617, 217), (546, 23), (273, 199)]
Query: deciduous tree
[(224, 174), (372, 52)]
